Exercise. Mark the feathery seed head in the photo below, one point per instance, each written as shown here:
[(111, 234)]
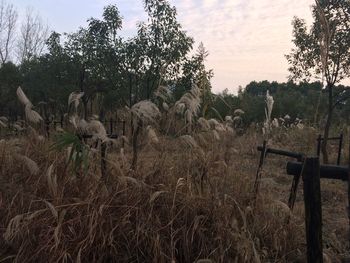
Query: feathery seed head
[(220, 127), (31, 115), (228, 119), (216, 135), (23, 98), (163, 92), (151, 135), (96, 129), (146, 111), (269, 104), (180, 107), (213, 123), (189, 103), (238, 112), (189, 141), (275, 123), (31, 165), (268, 110), (3, 119), (204, 124), (3, 124), (165, 106), (75, 98), (286, 117), (17, 127), (237, 119)]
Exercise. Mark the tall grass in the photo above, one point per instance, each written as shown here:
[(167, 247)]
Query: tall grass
[(188, 199), (182, 204)]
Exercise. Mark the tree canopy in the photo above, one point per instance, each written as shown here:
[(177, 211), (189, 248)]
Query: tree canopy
[(323, 52)]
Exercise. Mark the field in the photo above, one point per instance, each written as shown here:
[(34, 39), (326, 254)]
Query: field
[(182, 203), (127, 139)]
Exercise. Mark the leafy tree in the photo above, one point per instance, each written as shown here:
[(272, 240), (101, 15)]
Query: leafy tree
[(225, 103), (133, 71), (10, 79), (50, 78), (97, 53), (323, 50), (163, 45), (107, 60), (194, 71)]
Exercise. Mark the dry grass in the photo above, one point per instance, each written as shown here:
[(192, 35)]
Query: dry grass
[(182, 204)]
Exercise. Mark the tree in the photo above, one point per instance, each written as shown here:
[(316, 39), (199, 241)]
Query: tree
[(10, 79), (8, 19), (163, 45), (323, 50), (95, 51), (32, 37), (112, 72), (194, 71), (51, 77)]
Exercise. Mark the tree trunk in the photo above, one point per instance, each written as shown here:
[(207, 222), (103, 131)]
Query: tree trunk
[(135, 135), (82, 89), (316, 119), (328, 124), (85, 104), (130, 91)]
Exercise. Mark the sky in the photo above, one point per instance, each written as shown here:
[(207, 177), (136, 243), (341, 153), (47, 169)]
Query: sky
[(246, 39)]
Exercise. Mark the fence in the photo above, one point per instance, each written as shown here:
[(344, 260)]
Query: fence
[(340, 145), (310, 170)]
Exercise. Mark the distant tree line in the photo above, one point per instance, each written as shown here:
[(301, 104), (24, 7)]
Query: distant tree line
[(306, 101), (111, 71), (114, 72)]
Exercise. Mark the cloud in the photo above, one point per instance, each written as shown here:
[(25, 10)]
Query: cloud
[(246, 39), (209, 3)]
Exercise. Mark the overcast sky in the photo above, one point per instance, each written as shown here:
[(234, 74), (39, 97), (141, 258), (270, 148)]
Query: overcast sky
[(246, 39)]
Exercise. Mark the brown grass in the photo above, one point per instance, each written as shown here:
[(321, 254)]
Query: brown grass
[(180, 205)]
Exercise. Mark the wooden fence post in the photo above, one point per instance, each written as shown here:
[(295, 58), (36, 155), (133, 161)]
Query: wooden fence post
[(110, 126), (61, 121), (340, 148), (47, 127), (123, 133), (349, 192), (103, 160), (319, 140), (259, 170), (313, 212), (294, 189)]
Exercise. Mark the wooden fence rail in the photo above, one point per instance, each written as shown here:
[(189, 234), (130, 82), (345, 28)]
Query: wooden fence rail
[(326, 171), (310, 170), (298, 156), (340, 145)]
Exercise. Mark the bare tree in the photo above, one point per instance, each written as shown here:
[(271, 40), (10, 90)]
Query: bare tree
[(32, 38), (8, 20)]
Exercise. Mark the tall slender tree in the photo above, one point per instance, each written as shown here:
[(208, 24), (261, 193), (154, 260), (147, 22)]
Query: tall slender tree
[(164, 45), (323, 51)]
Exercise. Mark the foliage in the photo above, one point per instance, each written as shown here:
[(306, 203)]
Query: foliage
[(10, 79), (325, 47), (324, 50), (305, 101), (77, 150), (112, 71)]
